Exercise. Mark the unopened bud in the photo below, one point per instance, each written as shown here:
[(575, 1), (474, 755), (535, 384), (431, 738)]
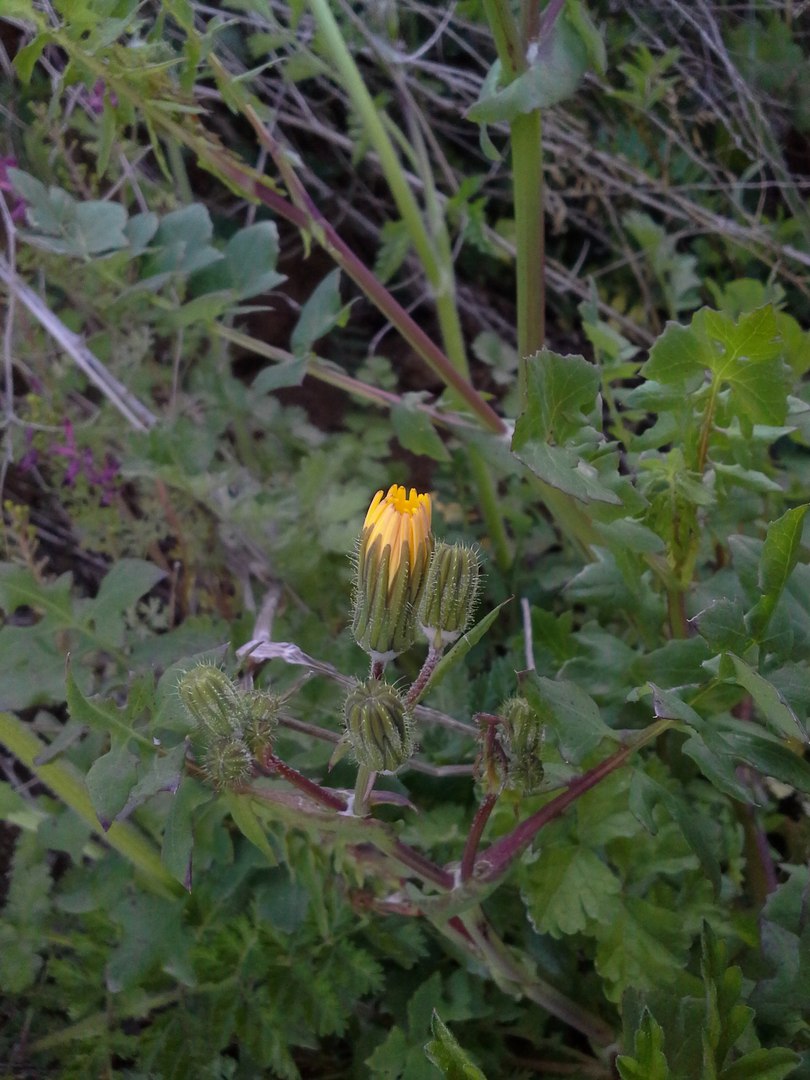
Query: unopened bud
[(378, 726), (524, 737), (227, 763), (261, 720), (211, 700), (451, 589)]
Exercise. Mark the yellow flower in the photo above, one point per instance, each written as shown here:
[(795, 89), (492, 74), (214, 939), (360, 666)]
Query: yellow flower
[(393, 555), (400, 519)]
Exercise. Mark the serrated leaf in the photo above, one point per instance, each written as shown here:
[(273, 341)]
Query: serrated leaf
[(109, 780), (649, 1061), (780, 554), (644, 945), (571, 714), (560, 392), (722, 626), (646, 793), (678, 358), (562, 469), (416, 433), (445, 1053), (96, 714), (163, 773), (124, 584), (395, 243), (768, 700), (566, 888), (763, 1064)]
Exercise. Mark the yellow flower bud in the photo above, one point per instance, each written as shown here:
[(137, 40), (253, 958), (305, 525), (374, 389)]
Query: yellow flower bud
[(378, 726), (449, 595), (392, 559)]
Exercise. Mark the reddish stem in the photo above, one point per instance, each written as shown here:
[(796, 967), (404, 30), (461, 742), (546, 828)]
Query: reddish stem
[(474, 836), (499, 856), (274, 765)]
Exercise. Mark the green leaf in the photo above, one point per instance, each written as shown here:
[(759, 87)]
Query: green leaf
[(568, 711), (109, 780), (559, 389), (163, 773), (557, 65), (780, 554), (678, 358), (643, 946), (446, 1054), (61, 224), (182, 243), (320, 314), (566, 888), (277, 376), (722, 626), (152, 936), (124, 584), (460, 649), (562, 469), (646, 793), (762, 1064), (27, 56), (417, 434), (649, 1062), (769, 701), (245, 819), (99, 715), (178, 837)]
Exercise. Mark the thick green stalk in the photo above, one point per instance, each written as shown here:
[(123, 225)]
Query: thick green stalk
[(527, 169), (68, 785), (434, 251)]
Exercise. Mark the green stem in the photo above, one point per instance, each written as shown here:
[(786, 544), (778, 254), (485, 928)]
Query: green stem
[(512, 974), (490, 508), (68, 785), (331, 38), (527, 170), (362, 789)]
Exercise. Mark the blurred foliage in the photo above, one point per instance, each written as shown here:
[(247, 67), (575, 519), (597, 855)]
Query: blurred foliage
[(199, 405)]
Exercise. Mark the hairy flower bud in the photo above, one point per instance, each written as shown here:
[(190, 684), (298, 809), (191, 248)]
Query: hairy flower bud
[(211, 700), (378, 726), (227, 763), (261, 720), (392, 559), (524, 737), (451, 589)]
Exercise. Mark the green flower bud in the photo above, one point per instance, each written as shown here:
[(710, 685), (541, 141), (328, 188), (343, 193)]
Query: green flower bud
[(392, 558), (211, 700), (378, 726), (451, 589), (524, 737), (227, 763), (261, 720)]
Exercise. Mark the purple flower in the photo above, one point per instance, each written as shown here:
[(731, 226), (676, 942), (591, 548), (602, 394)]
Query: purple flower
[(95, 97), (81, 463), (17, 204)]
